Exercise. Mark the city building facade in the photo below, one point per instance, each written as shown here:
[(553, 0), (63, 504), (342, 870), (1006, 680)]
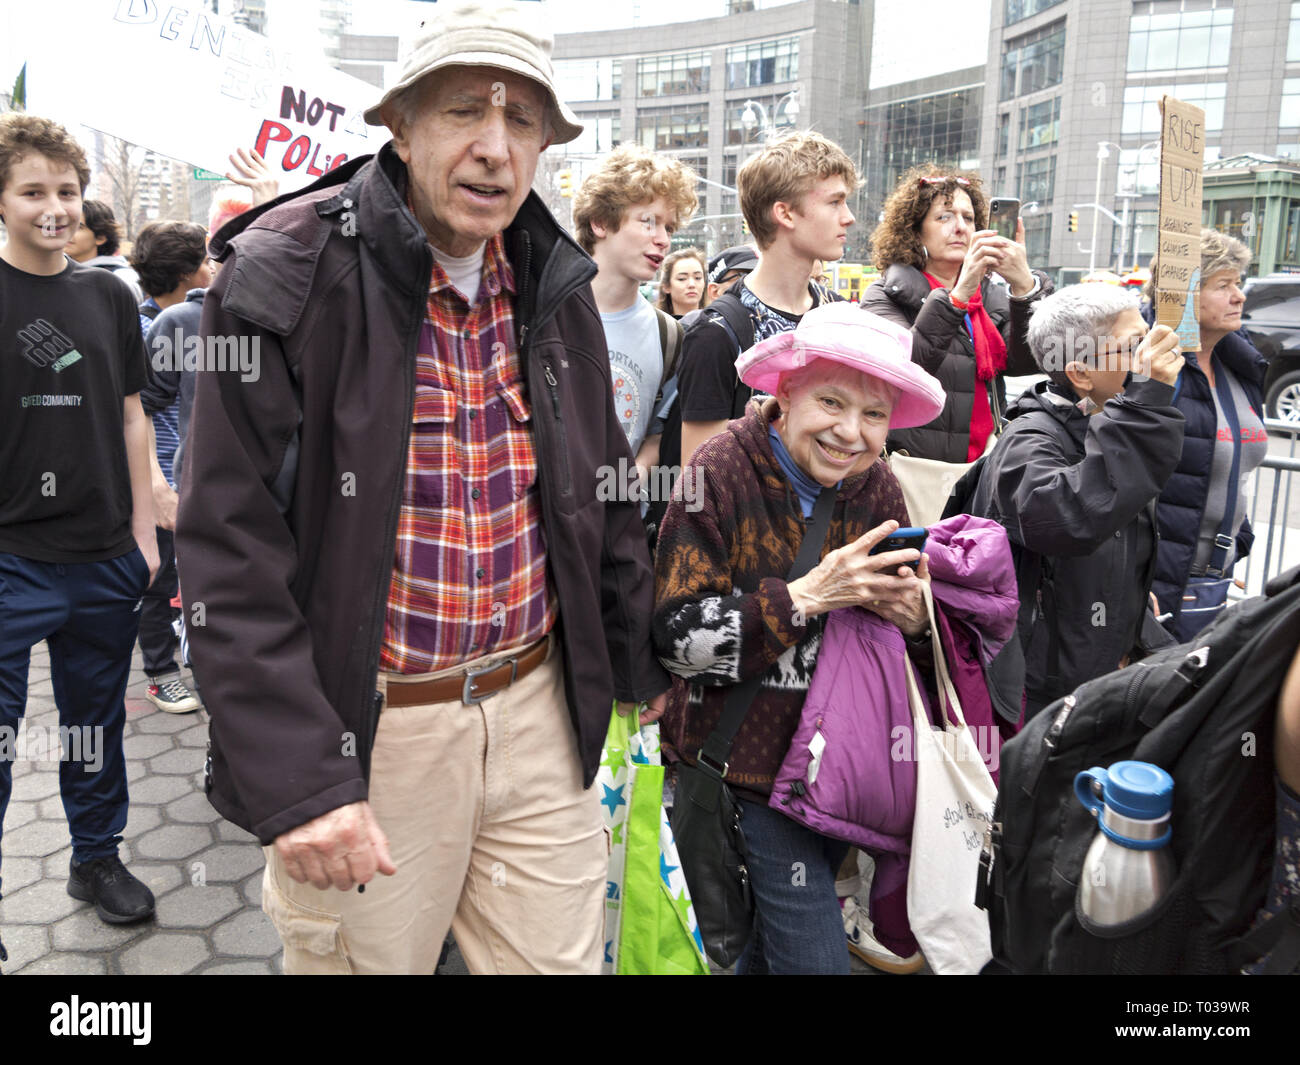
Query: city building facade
[(371, 58), (925, 92), (710, 91), (1071, 114), (1028, 92), (1258, 200)]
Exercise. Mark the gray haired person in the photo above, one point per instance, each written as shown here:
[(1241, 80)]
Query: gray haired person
[(418, 613), (1074, 481)]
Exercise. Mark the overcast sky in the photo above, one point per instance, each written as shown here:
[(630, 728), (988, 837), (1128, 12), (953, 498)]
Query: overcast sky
[(566, 16), (368, 16), (890, 64)]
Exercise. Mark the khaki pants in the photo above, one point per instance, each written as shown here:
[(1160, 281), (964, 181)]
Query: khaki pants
[(492, 834)]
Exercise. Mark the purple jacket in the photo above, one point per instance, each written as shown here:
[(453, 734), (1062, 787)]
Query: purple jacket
[(850, 771)]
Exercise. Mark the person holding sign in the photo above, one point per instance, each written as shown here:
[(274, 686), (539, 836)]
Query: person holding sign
[(386, 526), (1202, 510)]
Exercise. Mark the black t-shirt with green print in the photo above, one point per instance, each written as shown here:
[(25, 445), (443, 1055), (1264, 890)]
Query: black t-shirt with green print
[(70, 352)]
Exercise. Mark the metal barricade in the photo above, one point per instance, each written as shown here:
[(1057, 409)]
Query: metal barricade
[(1272, 553)]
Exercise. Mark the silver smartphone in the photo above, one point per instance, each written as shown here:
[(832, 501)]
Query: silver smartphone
[(1003, 215)]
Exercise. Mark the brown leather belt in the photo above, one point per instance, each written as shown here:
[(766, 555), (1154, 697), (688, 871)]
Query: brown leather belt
[(472, 685)]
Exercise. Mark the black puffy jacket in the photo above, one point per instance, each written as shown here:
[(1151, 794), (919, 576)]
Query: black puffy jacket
[(1182, 503), (941, 346)]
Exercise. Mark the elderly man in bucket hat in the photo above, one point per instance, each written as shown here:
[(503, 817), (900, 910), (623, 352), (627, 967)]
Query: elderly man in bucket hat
[(417, 611)]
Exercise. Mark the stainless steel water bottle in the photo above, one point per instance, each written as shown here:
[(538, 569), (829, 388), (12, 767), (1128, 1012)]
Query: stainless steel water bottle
[(1129, 866)]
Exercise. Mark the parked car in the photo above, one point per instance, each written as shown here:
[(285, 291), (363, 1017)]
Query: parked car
[(1271, 318)]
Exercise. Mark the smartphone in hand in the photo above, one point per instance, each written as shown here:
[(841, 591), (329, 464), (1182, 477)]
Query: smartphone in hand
[(901, 540), (1004, 212)]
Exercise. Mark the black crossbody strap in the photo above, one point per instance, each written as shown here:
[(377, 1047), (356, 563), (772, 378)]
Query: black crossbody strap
[(1223, 540), (717, 748)]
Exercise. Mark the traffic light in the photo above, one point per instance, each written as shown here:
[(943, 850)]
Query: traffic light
[(744, 226), (566, 184), (1074, 221)]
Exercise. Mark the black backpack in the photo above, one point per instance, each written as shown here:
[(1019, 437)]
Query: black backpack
[(1205, 712), (734, 317)]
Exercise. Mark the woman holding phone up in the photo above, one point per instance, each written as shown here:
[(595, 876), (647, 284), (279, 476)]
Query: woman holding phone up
[(936, 252)]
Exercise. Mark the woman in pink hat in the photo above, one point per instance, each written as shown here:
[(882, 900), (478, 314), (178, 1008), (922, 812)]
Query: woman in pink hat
[(724, 611)]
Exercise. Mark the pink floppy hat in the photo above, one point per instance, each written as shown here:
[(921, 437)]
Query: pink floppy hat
[(843, 332)]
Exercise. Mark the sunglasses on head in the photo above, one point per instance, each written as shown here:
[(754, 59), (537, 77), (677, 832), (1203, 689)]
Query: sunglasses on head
[(942, 181)]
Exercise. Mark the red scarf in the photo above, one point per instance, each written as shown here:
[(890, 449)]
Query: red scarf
[(990, 359)]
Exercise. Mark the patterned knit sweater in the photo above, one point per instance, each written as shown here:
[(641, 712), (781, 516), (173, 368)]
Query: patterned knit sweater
[(723, 612)]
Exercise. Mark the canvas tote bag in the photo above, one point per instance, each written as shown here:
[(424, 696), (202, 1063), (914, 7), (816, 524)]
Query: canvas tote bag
[(927, 483), (954, 807)]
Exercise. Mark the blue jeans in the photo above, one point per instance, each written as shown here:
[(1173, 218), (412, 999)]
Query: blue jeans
[(797, 924), (88, 613)]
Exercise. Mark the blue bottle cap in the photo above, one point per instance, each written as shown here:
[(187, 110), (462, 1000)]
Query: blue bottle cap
[(1139, 790)]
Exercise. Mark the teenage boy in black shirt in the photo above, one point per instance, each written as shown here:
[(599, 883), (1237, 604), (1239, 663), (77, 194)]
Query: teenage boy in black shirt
[(794, 196), (77, 545)]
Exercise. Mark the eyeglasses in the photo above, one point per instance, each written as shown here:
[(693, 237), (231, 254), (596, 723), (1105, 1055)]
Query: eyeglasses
[(651, 225), (1121, 359), (942, 181)]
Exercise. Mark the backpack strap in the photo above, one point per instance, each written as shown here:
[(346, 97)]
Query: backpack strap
[(716, 750), (1275, 941), (738, 323), (670, 341), (734, 317), (1223, 539), (149, 312)]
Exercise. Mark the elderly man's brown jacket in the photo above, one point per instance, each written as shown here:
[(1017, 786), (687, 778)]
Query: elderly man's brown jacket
[(293, 485)]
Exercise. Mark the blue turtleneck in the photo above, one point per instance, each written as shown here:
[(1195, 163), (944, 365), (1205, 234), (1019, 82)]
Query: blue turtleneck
[(806, 490)]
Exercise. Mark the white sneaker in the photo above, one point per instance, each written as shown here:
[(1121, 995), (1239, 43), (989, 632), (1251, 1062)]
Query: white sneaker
[(863, 943)]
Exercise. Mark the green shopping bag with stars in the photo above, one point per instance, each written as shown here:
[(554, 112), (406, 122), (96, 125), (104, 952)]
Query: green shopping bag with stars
[(650, 926)]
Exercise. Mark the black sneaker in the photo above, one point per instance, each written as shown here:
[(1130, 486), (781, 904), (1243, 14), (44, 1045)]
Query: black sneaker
[(119, 897), (171, 696)]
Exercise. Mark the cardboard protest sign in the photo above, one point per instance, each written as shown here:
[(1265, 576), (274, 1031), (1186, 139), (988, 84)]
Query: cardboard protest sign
[(1178, 255), (194, 86)]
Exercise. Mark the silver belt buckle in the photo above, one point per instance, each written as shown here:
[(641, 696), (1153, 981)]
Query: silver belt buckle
[(471, 698)]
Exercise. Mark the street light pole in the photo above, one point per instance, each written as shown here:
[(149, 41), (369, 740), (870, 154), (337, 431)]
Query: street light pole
[(1137, 191), (1123, 234), (1102, 155), (1121, 192), (767, 126)]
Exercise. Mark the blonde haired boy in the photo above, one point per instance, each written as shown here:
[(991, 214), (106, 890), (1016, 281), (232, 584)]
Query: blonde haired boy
[(794, 196), (624, 217)]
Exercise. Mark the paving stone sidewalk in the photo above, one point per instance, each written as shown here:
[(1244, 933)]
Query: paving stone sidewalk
[(205, 873)]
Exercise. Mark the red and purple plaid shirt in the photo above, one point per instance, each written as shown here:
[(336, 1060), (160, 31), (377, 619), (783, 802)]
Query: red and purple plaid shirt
[(469, 576)]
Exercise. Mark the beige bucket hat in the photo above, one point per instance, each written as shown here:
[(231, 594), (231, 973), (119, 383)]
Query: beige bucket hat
[(507, 34)]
